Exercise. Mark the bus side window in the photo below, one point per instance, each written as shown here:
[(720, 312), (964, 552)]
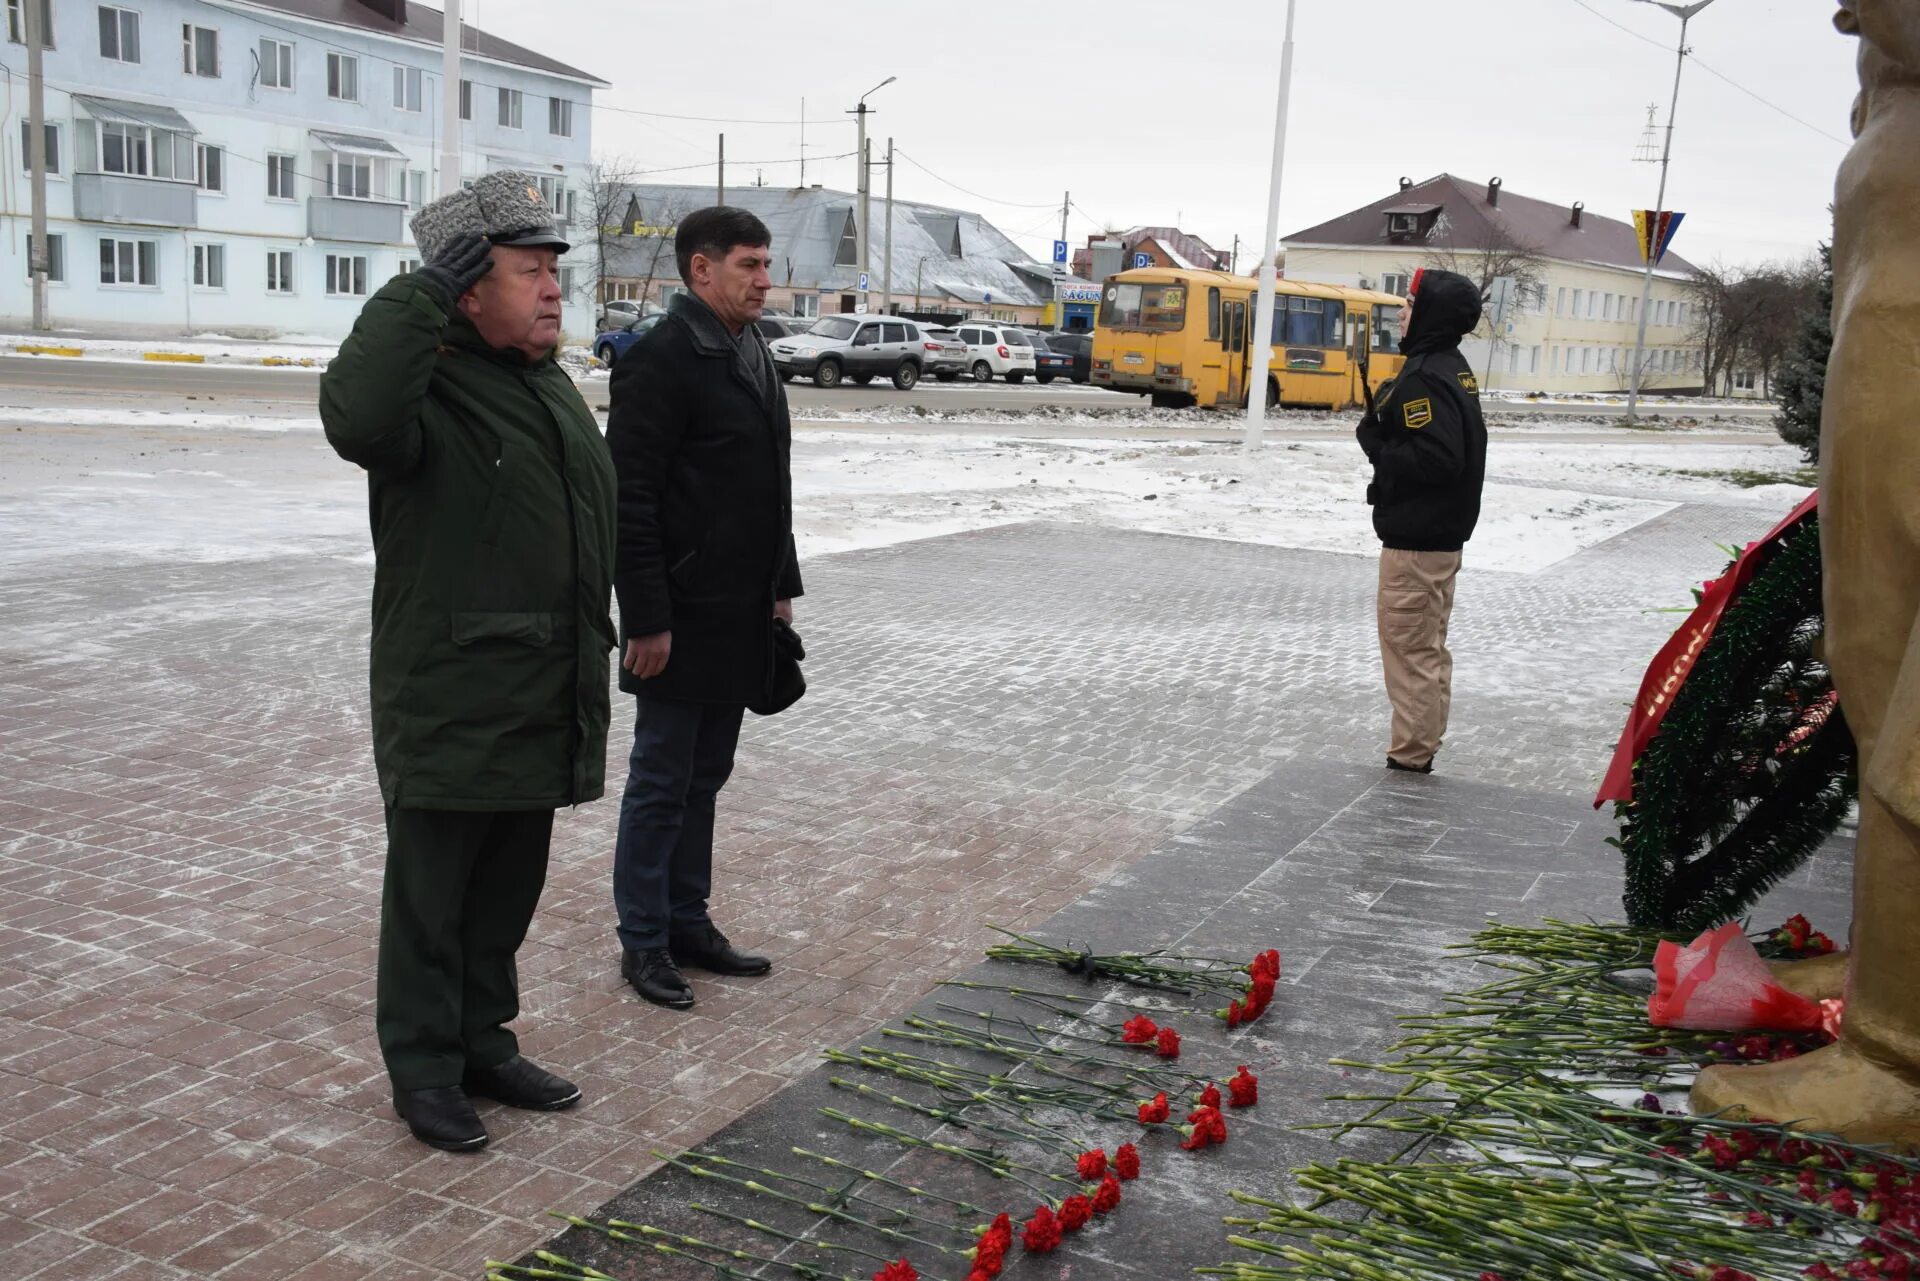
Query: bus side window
[(1336, 325), (1213, 315), (1239, 323)]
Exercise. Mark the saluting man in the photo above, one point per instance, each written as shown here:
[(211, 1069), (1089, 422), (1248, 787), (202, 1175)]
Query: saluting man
[(492, 502), (1427, 442)]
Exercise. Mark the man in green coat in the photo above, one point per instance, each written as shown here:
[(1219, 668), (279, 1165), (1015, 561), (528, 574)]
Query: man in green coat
[(492, 504)]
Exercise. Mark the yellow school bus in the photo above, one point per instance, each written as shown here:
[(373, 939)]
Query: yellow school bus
[(1181, 337)]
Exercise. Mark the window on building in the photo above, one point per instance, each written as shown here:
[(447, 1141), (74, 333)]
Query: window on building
[(129, 262), (350, 176), (1743, 380), (279, 177), (1606, 308), (210, 167), (566, 282), (347, 275), (509, 110), (1577, 295), (1586, 360), (17, 25), (1560, 302), (1395, 283), (343, 77), (199, 50), (56, 257), (1593, 303), (409, 265), (416, 188), (1533, 360), (276, 64), (848, 251), (137, 150), (1513, 360), (1553, 361), (119, 34), (807, 305), (51, 133), (553, 190), (406, 88), (560, 117), (279, 271), (210, 266), (466, 99)]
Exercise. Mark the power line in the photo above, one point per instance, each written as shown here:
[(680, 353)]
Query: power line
[(1008, 204), (1773, 106)]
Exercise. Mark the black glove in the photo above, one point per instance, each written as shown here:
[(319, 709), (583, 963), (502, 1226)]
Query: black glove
[(456, 268)]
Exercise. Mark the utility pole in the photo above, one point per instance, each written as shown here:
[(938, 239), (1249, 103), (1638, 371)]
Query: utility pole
[(1260, 350), (450, 100), (803, 142), (864, 156), (886, 260), (37, 163), (1685, 13), (1233, 262), (721, 199), (1060, 268)]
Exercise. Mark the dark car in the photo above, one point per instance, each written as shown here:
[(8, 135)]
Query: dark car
[(609, 345), (772, 327), (1049, 364), (1078, 348)]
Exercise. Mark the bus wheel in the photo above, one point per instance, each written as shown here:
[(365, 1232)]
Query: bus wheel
[(1273, 394)]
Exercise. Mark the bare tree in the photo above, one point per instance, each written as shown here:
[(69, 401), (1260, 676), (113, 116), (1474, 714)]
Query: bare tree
[(637, 249), (610, 184), (1747, 316), (1485, 258)]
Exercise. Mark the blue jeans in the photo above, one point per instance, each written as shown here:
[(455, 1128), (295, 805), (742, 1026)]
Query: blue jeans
[(663, 856)]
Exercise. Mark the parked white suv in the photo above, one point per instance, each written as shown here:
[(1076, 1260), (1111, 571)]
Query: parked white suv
[(994, 348)]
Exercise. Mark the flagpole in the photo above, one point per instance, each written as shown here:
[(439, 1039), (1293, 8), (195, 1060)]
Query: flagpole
[(1652, 241)]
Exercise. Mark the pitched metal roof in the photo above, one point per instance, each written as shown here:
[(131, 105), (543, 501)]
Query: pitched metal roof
[(423, 26), (120, 111), (1469, 221)]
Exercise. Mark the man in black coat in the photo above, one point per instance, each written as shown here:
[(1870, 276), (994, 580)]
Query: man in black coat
[(704, 565), (1427, 442)]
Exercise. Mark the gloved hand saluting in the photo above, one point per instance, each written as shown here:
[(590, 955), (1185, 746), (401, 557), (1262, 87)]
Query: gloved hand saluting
[(456, 268)]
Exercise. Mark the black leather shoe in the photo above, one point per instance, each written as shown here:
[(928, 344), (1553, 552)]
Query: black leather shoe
[(708, 949), (520, 1083), (442, 1118), (655, 976), (1410, 769)]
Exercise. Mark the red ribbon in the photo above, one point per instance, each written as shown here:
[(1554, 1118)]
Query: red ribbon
[(1676, 658)]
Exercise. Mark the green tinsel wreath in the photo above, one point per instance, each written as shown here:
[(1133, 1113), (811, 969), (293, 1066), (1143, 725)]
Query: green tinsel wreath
[(1753, 766)]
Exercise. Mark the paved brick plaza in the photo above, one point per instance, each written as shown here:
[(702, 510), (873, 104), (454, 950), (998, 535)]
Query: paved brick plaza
[(190, 853)]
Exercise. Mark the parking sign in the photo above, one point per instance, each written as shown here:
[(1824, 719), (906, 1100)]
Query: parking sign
[(1059, 251), (864, 282), (1143, 260)]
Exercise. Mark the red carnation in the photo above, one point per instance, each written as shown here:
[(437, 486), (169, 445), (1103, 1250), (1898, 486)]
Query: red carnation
[(1167, 1044), (1244, 1088), (1210, 1097), (1126, 1161), (1156, 1111), (1207, 1126), (900, 1271), (1075, 1212), (1819, 942), (1107, 1196), (1138, 1030), (1092, 1166), (1267, 963), (1042, 1232), (979, 1273), (1235, 1016)]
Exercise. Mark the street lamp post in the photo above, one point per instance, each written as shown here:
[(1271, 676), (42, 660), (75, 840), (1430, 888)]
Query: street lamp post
[(1260, 349), (866, 175), (1684, 12)]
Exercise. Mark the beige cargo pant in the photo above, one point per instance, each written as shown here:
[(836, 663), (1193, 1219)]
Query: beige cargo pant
[(1415, 602)]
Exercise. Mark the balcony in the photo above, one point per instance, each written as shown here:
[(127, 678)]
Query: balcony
[(129, 198), (374, 222)]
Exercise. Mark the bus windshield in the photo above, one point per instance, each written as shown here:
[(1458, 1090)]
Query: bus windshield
[(1155, 308), (1386, 327)]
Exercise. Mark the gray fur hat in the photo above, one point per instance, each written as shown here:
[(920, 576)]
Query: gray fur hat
[(506, 207)]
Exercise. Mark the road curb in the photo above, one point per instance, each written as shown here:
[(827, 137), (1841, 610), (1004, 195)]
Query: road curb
[(175, 357), (36, 349)]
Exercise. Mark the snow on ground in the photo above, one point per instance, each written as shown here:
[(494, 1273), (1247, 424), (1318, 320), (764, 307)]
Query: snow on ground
[(215, 486), (213, 348)]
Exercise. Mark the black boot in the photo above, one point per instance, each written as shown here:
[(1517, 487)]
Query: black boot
[(1410, 769), (442, 1118), (520, 1083), (655, 976), (706, 947)]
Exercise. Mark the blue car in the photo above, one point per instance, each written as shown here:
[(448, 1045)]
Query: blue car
[(1049, 364), (611, 344)]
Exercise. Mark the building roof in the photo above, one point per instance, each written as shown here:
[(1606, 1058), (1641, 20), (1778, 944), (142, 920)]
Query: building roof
[(423, 26), (809, 224), (1469, 221)]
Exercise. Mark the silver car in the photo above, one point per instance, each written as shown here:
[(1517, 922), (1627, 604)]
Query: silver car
[(858, 347)]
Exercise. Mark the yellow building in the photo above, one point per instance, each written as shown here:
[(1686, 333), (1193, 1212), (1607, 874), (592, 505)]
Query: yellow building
[(1572, 327)]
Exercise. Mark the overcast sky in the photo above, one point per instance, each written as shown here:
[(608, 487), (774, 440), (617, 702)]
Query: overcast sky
[(1154, 112)]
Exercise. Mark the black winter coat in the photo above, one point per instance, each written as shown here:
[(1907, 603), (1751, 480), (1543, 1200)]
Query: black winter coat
[(705, 538), (1426, 439)]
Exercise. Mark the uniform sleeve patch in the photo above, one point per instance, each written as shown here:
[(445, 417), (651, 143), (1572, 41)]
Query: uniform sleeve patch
[(1417, 413), (1468, 381)]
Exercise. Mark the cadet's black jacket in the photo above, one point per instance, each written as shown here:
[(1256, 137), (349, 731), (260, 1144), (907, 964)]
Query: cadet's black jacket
[(705, 544), (1426, 439)]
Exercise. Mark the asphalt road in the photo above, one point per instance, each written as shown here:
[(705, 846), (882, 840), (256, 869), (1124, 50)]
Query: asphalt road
[(246, 385)]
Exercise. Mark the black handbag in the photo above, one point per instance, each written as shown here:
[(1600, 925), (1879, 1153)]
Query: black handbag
[(785, 681)]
